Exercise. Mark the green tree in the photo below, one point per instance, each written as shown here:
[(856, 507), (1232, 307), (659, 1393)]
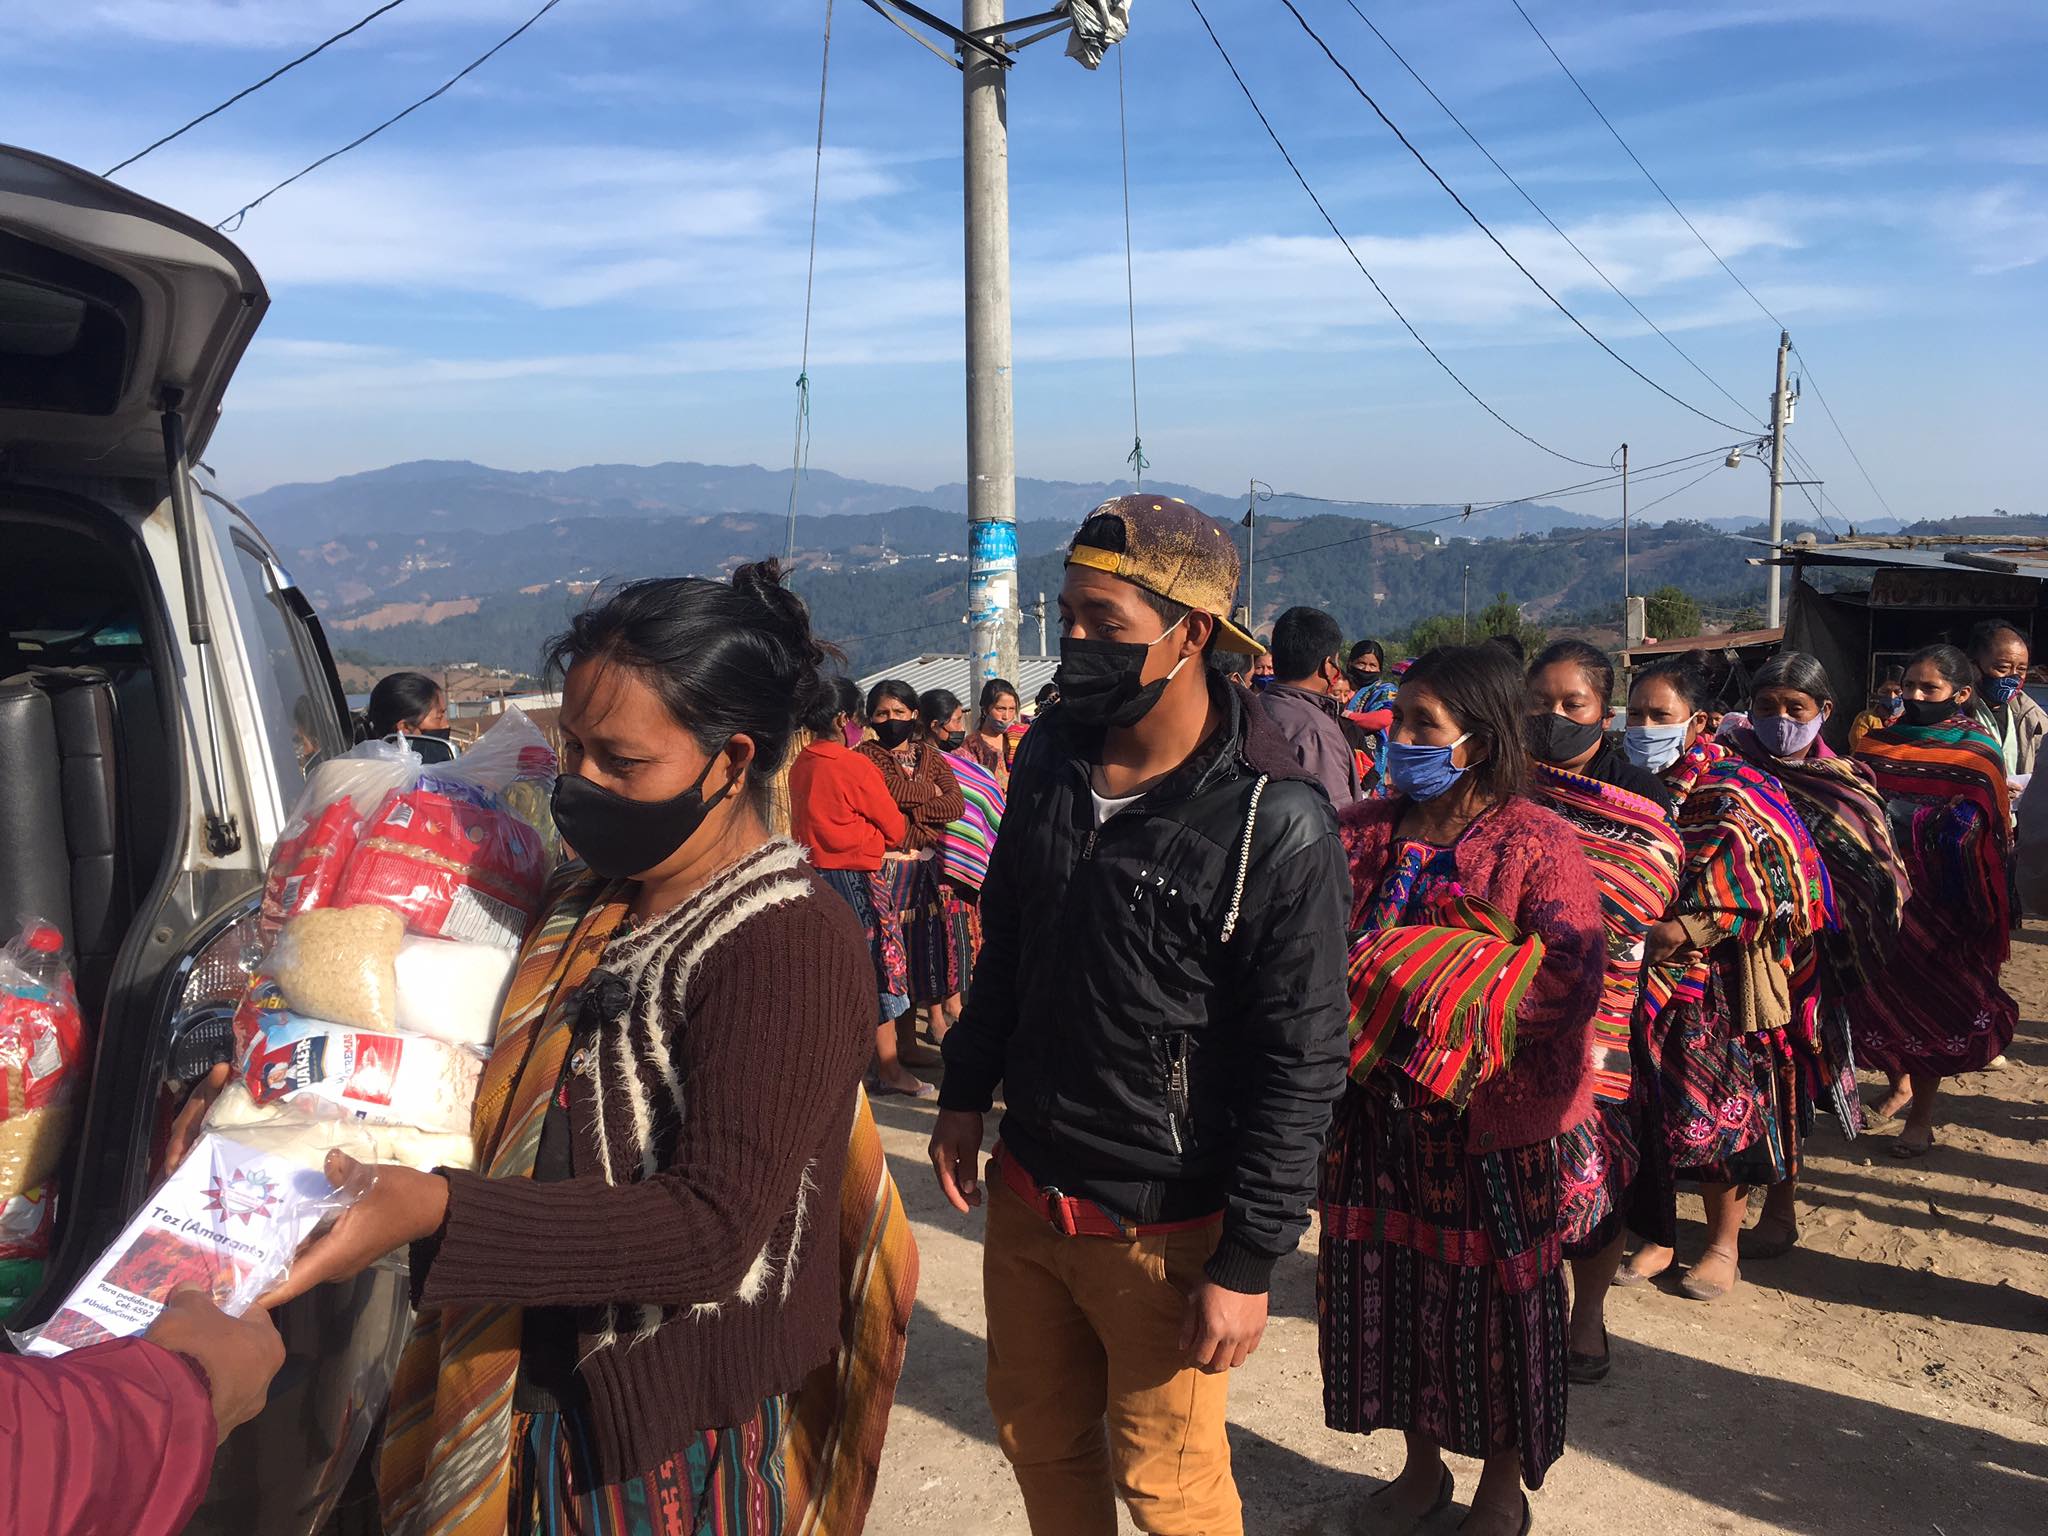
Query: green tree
[(1671, 613), (1438, 629), (1503, 616)]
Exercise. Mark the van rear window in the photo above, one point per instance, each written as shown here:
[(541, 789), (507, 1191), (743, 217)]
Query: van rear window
[(65, 331), (36, 321)]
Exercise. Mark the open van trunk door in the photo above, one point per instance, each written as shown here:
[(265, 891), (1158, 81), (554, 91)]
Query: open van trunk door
[(108, 301)]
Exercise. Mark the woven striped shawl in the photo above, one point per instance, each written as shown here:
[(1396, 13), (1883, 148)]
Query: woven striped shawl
[(1951, 811), (1437, 1001), (966, 843), (1635, 856)]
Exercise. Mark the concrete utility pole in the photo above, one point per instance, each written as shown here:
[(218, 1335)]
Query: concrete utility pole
[(1041, 628), (1624, 543), (1465, 624), (991, 427), (1773, 611)]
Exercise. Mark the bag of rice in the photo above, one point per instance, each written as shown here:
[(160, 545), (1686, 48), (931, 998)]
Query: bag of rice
[(452, 991), (283, 1132), (452, 869), (337, 963), (328, 1070), (42, 1056)]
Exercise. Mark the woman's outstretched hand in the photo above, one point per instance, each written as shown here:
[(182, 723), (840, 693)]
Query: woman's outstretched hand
[(394, 1208)]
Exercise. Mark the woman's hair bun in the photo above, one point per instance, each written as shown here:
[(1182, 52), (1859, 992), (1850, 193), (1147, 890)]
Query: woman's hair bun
[(763, 582)]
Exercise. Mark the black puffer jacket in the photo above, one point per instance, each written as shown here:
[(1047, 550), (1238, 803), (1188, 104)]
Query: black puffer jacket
[(1164, 1005)]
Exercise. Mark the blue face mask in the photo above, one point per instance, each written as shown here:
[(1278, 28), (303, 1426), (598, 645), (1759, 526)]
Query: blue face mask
[(1422, 772), (1999, 690), (1654, 747)]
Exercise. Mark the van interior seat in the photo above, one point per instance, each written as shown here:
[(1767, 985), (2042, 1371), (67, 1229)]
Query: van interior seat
[(67, 842)]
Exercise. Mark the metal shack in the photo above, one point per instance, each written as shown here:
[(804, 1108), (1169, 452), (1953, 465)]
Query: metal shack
[(1861, 605)]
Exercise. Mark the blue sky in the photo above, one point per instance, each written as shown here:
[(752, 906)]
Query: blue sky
[(594, 248)]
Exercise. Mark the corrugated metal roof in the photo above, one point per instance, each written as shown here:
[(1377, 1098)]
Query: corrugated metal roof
[(951, 672), (1733, 640), (1991, 562)]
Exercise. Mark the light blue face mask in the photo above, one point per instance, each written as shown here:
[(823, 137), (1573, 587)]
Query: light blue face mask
[(1655, 747), (1423, 772)]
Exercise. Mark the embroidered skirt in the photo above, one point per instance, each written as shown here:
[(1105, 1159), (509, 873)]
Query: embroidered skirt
[(1440, 1287), (917, 898), (1599, 1162), (727, 1482), (863, 892)]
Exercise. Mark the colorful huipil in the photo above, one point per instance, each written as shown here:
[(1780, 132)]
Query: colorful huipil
[(1846, 814), (963, 854), (1939, 1009), (1635, 855), (1752, 893)]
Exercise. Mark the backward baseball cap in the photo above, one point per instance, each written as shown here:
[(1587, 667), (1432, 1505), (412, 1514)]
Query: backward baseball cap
[(1172, 550)]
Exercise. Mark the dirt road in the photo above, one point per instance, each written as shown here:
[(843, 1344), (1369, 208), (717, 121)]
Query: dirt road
[(1889, 1378)]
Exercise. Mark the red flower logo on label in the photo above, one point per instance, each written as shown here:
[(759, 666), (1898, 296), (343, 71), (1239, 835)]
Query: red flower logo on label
[(244, 1195)]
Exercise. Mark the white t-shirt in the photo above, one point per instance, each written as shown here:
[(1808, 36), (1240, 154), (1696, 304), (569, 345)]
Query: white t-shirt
[(1105, 807)]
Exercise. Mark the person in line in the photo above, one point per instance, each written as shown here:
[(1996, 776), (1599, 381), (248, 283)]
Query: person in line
[(1262, 664), (120, 1436), (1368, 713), (1620, 812), (1887, 703), (409, 707), (1232, 667), (625, 1319), (1512, 644), (1730, 974), (1161, 999), (1302, 700), (1790, 701), (1365, 667), (963, 851), (993, 743), (841, 811), (1938, 1010), (2000, 704), (920, 780), (1441, 1304)]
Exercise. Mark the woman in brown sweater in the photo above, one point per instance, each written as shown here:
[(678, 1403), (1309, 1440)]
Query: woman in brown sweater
[(614, 1312), (922, 784)]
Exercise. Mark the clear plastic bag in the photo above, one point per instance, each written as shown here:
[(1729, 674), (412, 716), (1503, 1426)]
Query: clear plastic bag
[(451, 868), (229, 1221), (305, 1141), (330, 1071), (338, 964), (42, 1056), (452, 991)]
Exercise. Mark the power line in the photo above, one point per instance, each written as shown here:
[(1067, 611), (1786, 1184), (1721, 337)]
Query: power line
[(1536, 282), (1543, 214), (1601, 482), (1138, 462), (1451, 372), (1759, 303), (1806, 373), (1376, 533), (282, 69), (234, 220), (1659, 501)]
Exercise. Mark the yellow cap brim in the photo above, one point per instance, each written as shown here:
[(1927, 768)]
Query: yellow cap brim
[(1228, 636)]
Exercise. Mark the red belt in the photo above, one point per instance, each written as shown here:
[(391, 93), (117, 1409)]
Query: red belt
[(1076, 1217)]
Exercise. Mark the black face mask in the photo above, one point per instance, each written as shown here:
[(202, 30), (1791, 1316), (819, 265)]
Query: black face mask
[(1924, 712), (1553, 738), (955, 740), (894, 733), (1100, 682), (620, 838)]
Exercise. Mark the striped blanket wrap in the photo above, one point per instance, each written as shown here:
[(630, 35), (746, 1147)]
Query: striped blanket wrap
[(447, 1454), (1635, 855), (965, 845), (1437, 1000)]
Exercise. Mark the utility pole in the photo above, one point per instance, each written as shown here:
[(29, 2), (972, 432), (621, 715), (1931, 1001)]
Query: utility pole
[(1465, 624), (1624, 543), (1773, 611), (1041, 627), (1251, 550)]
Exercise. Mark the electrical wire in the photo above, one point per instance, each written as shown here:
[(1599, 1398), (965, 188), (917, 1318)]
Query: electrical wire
[(1544, 214), (1806, 372), (1635, 512), (1137, 460), (1499, 244), (282, 69), (799, 453), (1759, 303), (1602, 482), (1435, 357), (234, 220)]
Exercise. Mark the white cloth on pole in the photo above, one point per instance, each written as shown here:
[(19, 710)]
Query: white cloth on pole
[(1099, 25)]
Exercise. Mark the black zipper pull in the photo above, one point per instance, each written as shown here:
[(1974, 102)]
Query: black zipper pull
[(1088, 845)]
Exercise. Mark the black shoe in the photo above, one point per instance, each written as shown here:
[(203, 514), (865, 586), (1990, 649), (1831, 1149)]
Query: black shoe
[(1584, 1370)]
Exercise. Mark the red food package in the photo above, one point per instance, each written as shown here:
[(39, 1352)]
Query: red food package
[(26, 1222), (450, 868), (307, 868)]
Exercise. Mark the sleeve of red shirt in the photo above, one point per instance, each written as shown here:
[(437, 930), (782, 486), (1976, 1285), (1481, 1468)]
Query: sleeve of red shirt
[(115, 1437), (869, 795)]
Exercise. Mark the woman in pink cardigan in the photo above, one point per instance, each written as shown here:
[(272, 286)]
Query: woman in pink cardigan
[(1441, 1288)]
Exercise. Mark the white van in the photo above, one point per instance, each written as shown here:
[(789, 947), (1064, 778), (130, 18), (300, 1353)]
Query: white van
[(163, 689)]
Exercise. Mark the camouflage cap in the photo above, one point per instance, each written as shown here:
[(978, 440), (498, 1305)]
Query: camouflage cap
[(1172, 550)]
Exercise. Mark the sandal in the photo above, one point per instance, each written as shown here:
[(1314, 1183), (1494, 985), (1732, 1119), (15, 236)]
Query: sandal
[(1703, 1290), (1445, 1490), (1528, 1518), (1782, 1238), (1904, 1148)]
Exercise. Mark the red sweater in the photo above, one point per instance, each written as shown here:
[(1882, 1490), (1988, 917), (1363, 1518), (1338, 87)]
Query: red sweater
[(840, 808), (1526, 860), (115, 1437)]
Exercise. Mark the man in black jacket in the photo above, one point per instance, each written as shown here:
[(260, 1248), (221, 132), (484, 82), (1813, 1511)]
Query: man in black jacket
[(1161, 995)]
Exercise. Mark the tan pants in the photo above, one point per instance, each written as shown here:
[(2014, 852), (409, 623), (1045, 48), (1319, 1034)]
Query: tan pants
[(1091, 1393)]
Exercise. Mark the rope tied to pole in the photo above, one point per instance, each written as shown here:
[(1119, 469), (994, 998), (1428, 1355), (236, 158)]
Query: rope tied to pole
[(800, 449)]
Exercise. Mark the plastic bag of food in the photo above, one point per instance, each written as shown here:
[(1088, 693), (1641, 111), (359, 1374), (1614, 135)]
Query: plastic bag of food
[(42, 1056), (450, 868), (363, 776), (452, 991), (305, 1142), (307, 865), (319, 1069), (337, 964), (513, 762), (20, 1279), (228, 1221), (26, 1222)]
